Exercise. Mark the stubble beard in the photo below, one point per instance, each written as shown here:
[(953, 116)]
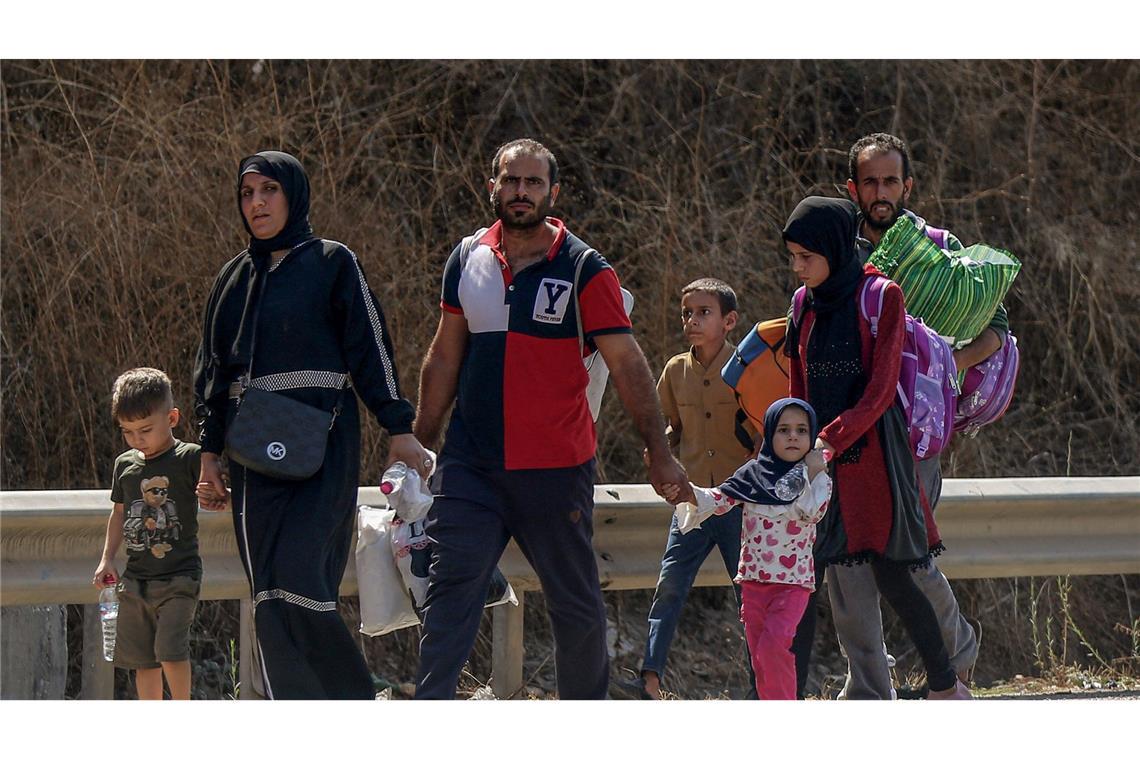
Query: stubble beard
[(536, 218)]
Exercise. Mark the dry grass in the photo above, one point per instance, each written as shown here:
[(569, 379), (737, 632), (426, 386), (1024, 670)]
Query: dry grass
[(117, 210)]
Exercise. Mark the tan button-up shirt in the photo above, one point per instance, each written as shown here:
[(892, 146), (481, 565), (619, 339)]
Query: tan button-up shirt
[(702, 408)]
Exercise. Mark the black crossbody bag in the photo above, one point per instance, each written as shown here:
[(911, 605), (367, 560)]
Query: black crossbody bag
[(274, 435)]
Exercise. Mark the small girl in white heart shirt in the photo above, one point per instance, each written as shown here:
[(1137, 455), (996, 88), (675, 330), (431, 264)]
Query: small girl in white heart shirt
[(784, 492)]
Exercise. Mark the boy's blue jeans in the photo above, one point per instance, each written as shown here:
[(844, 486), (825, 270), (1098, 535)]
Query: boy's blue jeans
[(684, 555)]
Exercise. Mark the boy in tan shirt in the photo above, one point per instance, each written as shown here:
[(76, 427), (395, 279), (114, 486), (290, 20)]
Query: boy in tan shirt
[(701, 411)]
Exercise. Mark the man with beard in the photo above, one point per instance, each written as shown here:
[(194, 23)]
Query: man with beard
[(518, 456), (880, 183)]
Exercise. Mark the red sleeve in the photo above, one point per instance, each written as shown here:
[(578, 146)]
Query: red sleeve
[(601, 304), (883, 375)]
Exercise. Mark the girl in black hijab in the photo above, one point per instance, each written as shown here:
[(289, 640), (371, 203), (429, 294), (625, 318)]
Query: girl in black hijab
[(878, 514), (317, 326), (826, 226)]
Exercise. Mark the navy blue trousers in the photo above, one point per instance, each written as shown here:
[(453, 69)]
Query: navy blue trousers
[(549, 513), (682, 560)]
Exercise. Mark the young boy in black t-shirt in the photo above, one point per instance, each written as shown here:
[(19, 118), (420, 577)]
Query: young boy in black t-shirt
[(156, 513)]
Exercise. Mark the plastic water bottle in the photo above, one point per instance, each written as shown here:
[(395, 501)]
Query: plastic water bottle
[(793, 483), (406, 492), (393, 478), (109, 617)]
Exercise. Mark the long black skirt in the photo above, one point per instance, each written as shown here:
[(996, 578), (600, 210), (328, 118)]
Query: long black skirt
[(294, 538)]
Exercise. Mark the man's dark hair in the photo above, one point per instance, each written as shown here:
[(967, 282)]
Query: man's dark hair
[(139, 393), (725, 295), (527, 147), (881, 142)]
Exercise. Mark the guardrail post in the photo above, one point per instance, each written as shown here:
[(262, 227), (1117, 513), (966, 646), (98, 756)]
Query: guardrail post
[(98, 674), (507, 649), (34, 644)]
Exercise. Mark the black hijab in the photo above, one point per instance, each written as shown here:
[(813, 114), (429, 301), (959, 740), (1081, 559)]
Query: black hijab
[(835, 378), (297, 230), (757, 481), (288, 171), (227, 334)]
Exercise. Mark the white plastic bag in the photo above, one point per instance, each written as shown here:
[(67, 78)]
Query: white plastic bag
[(384, 602), (412, 549)]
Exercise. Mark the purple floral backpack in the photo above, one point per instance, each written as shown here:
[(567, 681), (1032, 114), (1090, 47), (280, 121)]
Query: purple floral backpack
[(987, 389), (928, 382), (927, 391)]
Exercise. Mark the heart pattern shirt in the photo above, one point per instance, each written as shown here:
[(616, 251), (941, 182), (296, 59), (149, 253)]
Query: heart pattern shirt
[(775, 540)]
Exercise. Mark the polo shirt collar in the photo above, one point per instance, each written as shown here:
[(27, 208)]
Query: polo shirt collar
[(493, 237)]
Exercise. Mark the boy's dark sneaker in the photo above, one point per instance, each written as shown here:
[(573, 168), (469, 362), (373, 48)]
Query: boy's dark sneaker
[(629, 689)]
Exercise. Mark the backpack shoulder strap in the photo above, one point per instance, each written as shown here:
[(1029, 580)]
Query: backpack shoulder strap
[(468, 245), (798, 300), (871, 301), (574, 292)]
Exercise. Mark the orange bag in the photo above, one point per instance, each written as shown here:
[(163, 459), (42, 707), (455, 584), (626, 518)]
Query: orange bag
[(758, 369)]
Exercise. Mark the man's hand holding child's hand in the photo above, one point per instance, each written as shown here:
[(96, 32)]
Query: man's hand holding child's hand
[(675, 494)]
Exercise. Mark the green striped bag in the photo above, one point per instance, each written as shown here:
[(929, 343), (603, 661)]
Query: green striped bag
[(954, 292)]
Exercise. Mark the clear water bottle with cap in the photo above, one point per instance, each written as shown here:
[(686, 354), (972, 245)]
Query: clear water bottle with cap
[(793, 483), (393, 478), (109, 616)]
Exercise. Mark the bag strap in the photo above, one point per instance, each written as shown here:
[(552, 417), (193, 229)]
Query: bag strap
[(468, 244), (257, 308), (798, 299), (247, 378), (871, 301), (574, 292), (738, 429)]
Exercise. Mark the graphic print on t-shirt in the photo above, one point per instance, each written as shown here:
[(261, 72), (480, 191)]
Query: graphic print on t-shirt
[(551, 300), (152, 522)]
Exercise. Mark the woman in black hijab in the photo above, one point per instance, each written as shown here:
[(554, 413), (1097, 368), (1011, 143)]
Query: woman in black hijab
[(299, 309), (878, 514)]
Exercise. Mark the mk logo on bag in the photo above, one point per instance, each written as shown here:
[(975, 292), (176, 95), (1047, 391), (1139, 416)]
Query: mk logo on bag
[(275, 451), (551, 301)]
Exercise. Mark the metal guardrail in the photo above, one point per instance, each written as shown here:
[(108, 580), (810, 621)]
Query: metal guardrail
[(50, 542)]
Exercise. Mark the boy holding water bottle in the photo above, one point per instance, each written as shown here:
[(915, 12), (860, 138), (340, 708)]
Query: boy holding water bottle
[(155, 513)]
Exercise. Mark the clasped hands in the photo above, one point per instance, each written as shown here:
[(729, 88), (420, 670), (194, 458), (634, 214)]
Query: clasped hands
[(668, 477)]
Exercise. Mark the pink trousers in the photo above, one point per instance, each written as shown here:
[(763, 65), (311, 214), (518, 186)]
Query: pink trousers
[(770, 613)]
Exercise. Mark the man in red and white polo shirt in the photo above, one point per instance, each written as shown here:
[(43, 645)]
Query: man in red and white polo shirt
[(518, 455)]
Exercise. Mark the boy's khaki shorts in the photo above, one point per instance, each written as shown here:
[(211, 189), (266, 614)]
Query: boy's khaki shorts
[(154, 621)]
